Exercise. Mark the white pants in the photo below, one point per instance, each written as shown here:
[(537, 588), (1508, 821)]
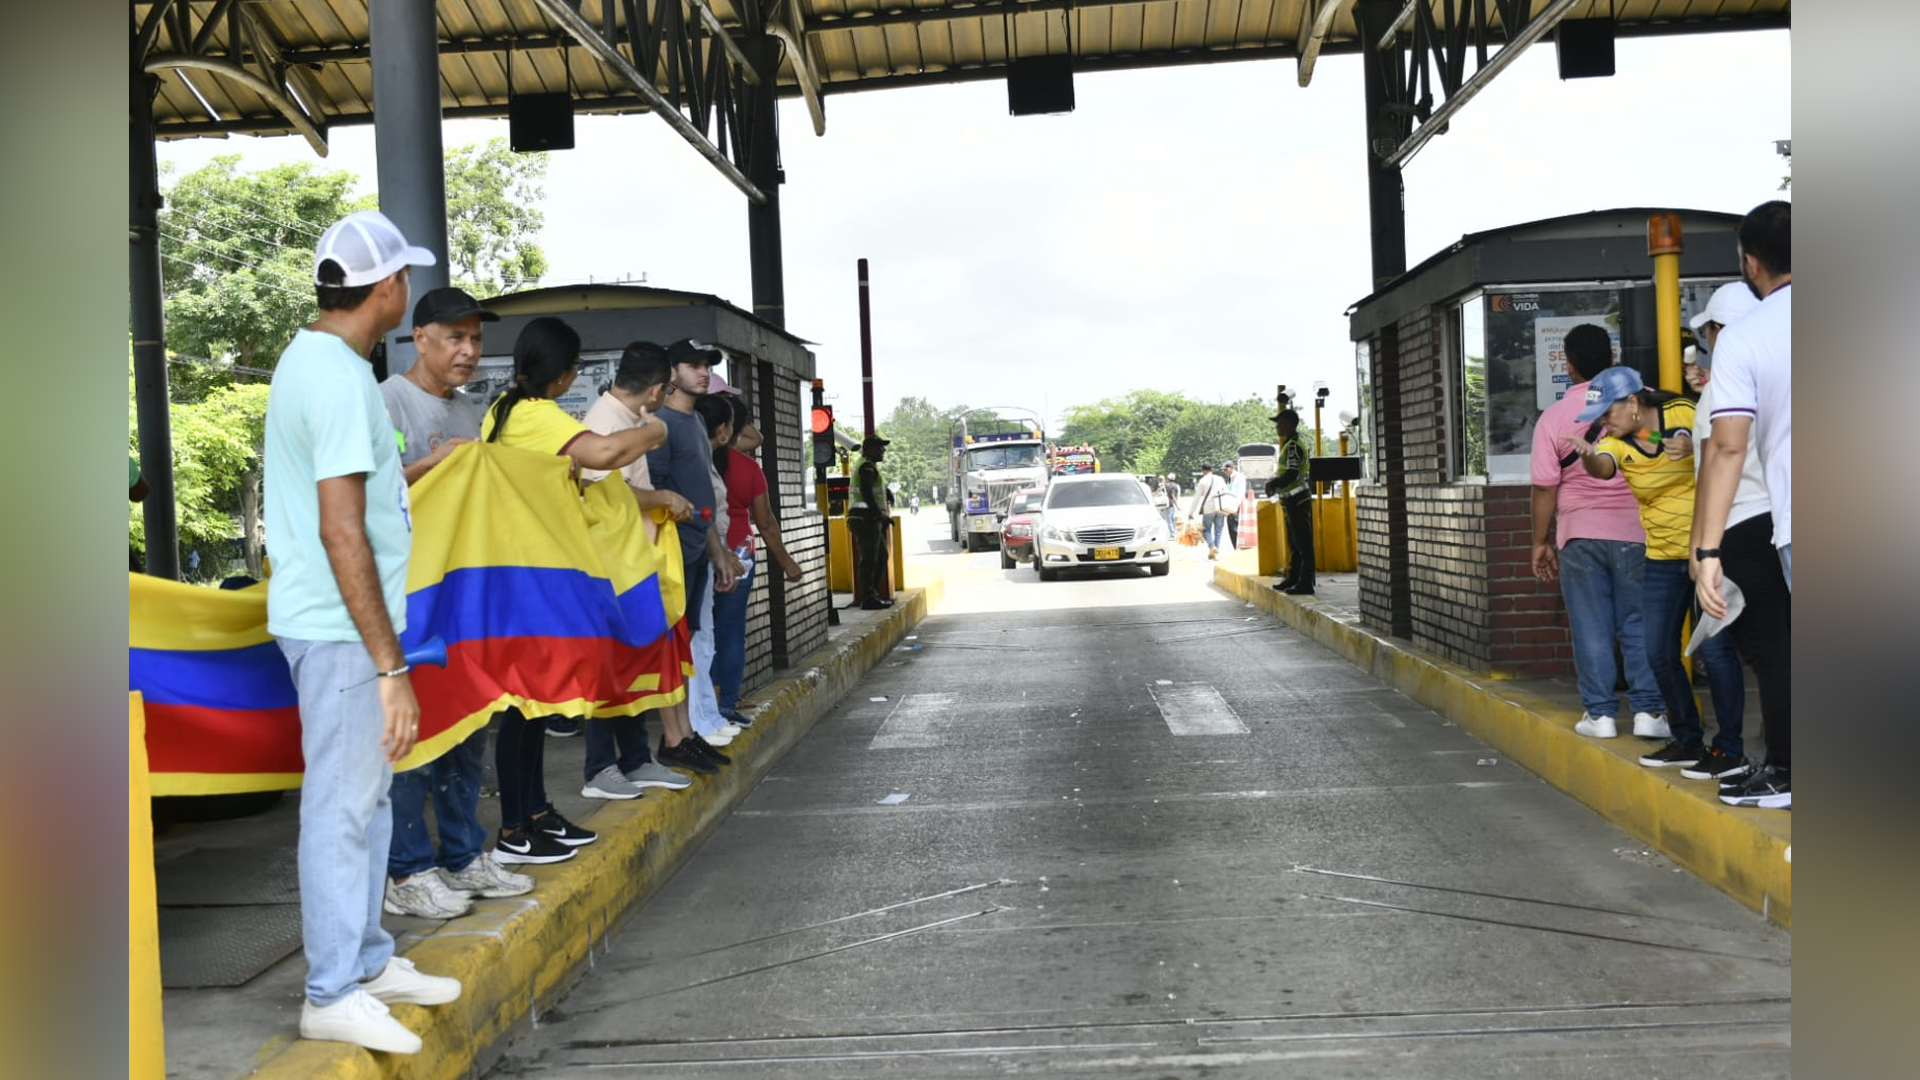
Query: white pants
[(703, 707)]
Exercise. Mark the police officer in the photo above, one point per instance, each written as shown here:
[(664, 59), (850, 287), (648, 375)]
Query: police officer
[(868, 514), (1296, 502)]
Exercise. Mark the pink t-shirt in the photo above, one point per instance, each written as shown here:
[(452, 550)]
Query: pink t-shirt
[(1588, 509)]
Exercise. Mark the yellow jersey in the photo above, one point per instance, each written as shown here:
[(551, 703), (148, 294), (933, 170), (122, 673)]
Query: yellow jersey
[(1663, 486), (537, 424)]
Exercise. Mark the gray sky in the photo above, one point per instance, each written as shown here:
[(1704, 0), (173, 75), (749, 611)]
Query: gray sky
[(1195, 229)]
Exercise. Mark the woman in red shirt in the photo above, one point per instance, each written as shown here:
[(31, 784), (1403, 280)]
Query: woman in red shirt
[(747, 509)]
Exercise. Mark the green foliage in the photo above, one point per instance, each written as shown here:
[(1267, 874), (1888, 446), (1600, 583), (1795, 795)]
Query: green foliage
[(237, 262), (1211, 434), (216, 457), (918, 456), (493, 195), (1129, 433), (1476, 418)]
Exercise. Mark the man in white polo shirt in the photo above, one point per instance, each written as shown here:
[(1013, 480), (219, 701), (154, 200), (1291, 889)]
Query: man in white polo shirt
[(1752, 393)]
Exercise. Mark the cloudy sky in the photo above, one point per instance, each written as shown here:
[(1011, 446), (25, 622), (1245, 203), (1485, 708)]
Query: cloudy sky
[(1196, 229)]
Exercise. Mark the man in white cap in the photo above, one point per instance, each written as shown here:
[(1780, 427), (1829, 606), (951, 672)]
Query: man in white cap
[(338, 532)]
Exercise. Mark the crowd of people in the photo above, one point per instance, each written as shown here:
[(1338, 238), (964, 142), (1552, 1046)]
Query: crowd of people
[(1646, 502), (341, 451)]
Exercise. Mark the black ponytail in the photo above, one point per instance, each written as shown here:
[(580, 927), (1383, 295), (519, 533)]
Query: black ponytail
[(546, 349), (714, 411)]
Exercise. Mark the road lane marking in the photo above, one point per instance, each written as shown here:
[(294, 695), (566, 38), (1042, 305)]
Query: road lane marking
[(1196, 709), (911, 723)]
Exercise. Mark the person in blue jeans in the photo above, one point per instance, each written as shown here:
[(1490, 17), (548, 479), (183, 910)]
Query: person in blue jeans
[(1649, 440), (748, 507)]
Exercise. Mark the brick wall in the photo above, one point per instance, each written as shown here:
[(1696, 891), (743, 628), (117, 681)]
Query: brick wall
[(1528, 619), (1447, 572), (784, 621)]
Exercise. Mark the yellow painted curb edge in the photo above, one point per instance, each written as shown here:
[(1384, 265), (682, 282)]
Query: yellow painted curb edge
[(1740, 851), (514, 957)]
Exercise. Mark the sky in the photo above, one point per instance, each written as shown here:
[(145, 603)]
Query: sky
[(1200, 230)]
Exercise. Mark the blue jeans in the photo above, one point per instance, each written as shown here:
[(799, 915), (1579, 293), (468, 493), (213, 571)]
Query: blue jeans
[(453, 778), (616, 740), (730, 640), (1168, 514), (1601, 582), (346, 822), (1667, 599), (1215, 526)]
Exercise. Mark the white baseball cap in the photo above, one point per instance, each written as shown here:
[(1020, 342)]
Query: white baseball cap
[(1729, 304), (369, 247)]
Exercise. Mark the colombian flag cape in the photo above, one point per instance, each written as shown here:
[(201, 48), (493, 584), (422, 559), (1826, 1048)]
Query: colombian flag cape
[(549, 600)]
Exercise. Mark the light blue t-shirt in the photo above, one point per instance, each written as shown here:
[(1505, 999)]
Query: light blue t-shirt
[(325, 418)]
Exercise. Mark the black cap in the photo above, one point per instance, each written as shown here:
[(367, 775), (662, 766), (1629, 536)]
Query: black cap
[(449, 305), (874, 440), (1285, 414), (1206, 466), (689, 351)]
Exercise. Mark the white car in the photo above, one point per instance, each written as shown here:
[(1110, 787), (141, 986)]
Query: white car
[(1099, 520)]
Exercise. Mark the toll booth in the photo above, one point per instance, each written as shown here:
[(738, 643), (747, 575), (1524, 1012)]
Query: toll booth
[(1455, 359), (769, 366)]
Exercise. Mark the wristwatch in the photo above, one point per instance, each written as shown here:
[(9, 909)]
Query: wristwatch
[(1706, 553)]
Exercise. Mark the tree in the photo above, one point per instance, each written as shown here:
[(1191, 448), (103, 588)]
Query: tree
[(1211, 434), (216, 475), (492, 217), (919, 455), (1128, 433)]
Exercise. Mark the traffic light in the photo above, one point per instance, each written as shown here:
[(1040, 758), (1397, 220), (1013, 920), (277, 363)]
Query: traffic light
[(822, 427)]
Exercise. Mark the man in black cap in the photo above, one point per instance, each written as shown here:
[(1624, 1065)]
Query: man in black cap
[(1296, 503), (868, 514)]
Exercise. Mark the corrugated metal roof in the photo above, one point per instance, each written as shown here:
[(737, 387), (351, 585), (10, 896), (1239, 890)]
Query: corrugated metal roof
[(317, 51)]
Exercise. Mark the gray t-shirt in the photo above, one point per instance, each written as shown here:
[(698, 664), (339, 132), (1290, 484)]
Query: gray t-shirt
[(684, 465), (426, 421)]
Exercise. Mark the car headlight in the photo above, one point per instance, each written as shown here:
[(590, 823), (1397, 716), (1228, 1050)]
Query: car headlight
[(1019, 530), (1156, 531), (1054, 532)]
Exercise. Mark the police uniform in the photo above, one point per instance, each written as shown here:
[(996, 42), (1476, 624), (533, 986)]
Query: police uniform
[(1295, 489), (867, 521)]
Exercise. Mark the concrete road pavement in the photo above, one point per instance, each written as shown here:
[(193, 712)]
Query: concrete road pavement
[(1130, 827)]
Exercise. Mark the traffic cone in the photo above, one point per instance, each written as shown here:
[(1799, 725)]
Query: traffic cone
[(1249, 533)]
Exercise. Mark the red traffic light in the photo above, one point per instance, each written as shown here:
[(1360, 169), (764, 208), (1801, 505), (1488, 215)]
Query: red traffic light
[(822, 419)]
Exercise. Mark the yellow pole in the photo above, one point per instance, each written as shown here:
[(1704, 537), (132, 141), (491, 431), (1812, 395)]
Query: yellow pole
[(146, 1044), (1664, 246)]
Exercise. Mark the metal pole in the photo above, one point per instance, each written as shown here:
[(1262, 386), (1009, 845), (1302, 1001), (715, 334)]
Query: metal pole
[(821, 503), (763, 168), (1386, 196), (866, 349), (1664, 246), (407, 146), (149, 332)]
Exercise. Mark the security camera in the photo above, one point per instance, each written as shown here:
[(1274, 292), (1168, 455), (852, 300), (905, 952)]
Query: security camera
[(1347, 417)]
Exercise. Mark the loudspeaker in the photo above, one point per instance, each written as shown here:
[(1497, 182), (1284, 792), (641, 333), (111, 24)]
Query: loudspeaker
[(540, 122), (1585, 47), (1040, 84)]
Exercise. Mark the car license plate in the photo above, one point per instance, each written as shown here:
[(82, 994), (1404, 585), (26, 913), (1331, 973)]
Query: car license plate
[(1102, 554)]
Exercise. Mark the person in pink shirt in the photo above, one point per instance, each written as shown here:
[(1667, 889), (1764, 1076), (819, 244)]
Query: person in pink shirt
[(1600, 558)]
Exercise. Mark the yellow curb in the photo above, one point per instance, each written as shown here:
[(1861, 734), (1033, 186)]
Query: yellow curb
[(514, 957), (1740, 851)]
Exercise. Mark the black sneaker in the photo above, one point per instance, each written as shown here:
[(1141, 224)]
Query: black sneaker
[(1769, 788), (685, 757), (530, 846), (559, 828), (560, 728), (703, 747), (737, 719), (1714, 766), (1738, 779), (1672, 754)]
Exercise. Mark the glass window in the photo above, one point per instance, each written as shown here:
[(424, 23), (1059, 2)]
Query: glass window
[(1115, 492), (1363, 427)]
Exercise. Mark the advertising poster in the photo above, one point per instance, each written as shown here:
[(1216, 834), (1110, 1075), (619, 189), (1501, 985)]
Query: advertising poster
[(1550, 357), (495, 374)]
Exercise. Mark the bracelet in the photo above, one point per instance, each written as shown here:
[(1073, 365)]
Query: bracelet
[(395, 673)]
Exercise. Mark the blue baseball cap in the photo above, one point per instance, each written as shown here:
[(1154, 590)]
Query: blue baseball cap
[(1617, 383)]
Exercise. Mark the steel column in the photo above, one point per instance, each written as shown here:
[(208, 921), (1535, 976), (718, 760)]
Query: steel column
[(1386, 197), (763, 168), (407, 146), (149, 331)]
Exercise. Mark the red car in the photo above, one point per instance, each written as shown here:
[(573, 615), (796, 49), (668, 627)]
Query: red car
[(1016, 533)]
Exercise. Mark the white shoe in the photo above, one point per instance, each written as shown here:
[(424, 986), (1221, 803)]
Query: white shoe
[(718, 738), (485, 877), (425, 895), (731, 731), (1648, 726), (401, 982), (1596, 727), (360, 1019)]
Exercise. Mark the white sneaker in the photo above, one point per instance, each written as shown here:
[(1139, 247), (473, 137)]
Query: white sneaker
[(1648, 726), (1596, 727), (401, 982), (426, 895), (485, 877), (730, 730), (360, 1019), (718, 738)]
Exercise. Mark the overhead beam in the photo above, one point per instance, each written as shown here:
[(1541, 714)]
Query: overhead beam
[(792, 34), (1317, 35), (609, 56), (1537, 27), (272, 94), (1393, 28)]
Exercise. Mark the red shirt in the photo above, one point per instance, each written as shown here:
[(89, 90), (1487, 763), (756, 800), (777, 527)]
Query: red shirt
[(746, 481)]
